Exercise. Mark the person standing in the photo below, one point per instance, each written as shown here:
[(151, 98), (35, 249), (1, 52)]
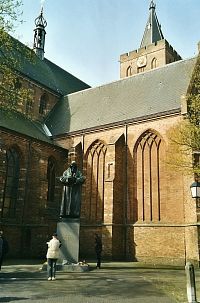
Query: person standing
[(52, 256), (98, 250), (3, 247)]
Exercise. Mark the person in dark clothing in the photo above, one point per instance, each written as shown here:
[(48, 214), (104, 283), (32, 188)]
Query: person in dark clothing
[(3, 247), (98, 250)]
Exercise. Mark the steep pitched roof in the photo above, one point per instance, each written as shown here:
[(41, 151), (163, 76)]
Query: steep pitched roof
[(43, 72), (52, 76), (143, 95), (46, 74), (152, 31), (15, 121)]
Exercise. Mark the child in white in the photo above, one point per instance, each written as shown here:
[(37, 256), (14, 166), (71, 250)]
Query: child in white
[(52, 256)]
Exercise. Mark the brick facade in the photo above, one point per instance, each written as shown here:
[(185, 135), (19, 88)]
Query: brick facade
[(154, 55), (141, 208), (34, 217), (132, 197)]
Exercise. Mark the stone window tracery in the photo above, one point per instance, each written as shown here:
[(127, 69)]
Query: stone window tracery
[(94, 185), (147, 177), (11, 183)]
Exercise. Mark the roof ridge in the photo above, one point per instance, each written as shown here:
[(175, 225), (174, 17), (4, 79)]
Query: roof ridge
[(64, 70), (133, 76)]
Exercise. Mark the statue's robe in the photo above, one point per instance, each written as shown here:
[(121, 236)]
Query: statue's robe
[(71, 198)]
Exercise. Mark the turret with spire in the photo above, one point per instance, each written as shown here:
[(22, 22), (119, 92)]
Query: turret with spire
[(154, 49), (152, 31), (39, 36)]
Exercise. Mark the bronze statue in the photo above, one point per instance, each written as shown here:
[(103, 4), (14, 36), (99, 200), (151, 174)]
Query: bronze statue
[(72, 180)]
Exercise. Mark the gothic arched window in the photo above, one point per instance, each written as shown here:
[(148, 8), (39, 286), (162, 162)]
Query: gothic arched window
[(43, 104), (129, 71), (29, 106), (2, 171), (51, 177), (147, 172), (154, 63), (94, 185), (11, 183)]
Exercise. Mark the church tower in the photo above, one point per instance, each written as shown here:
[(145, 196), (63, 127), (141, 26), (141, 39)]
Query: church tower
[(39, 36), (154, 50)]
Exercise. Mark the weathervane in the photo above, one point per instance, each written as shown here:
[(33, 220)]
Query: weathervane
[(152, 5), (42, 3)]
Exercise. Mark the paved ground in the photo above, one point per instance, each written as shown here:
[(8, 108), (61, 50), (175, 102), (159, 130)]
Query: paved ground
[(23, 281)]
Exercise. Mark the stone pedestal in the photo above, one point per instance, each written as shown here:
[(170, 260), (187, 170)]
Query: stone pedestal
[(68, 234)]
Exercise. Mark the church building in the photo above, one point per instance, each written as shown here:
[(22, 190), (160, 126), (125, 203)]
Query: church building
[(117, 134)]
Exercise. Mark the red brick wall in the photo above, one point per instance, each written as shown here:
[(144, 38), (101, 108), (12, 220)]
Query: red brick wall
[(162, 235), (35, 217), (115, 212)]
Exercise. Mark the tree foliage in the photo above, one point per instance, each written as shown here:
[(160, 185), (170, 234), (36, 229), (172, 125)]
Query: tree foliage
[(10, 12), (13, 94), (184, 138)]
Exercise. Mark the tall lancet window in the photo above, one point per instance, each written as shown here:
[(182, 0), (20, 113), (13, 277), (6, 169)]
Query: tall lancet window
[(11, 182), (94, 185), (51, 177), (148, 169), (43, 104)]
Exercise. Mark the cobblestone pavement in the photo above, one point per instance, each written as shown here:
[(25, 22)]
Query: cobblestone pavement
[(114, 283)]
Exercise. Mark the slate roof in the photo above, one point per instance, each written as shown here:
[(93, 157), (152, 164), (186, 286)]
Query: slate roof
[(153, 32), (52, 76), (17, 122), (43, 72), (142, 95)]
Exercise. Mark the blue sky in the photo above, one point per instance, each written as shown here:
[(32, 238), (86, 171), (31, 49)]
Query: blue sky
[(86, 37)]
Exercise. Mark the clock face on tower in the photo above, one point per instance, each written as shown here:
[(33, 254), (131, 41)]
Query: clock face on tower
[(141, 61)]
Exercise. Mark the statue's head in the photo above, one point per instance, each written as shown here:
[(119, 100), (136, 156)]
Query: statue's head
[(73, 164)]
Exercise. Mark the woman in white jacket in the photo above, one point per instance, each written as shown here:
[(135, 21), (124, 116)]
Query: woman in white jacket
[(52, 256)]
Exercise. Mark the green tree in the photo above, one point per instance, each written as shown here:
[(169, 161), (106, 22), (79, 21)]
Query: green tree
[(184, 137), (10, 12), (12, 92)]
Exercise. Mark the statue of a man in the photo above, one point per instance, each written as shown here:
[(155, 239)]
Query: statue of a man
[(72, 180)]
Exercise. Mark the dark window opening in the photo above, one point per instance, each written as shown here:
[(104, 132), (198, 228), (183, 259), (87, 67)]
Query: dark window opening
[(11, 183), (51, 177), (43, 104)]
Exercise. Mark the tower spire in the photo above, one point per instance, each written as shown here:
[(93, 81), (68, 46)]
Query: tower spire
[(152, 31), (39, 36)]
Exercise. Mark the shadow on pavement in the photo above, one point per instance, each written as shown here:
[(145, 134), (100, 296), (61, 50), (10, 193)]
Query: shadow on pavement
[(9, 299), (21, 275)]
